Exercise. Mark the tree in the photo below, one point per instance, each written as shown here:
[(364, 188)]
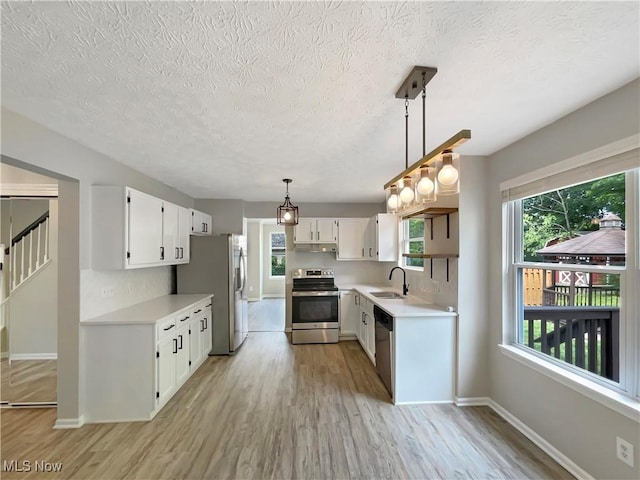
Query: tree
[(564, 213)]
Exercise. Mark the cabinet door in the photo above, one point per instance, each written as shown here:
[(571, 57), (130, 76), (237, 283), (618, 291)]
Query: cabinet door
[(206, 223), (370, 248), (184, 230), (305, 230), (371, 337), (362, 329), (386, 237), (170, 224), (145, 229), (182, 357), (326, 230), (349, 313), (205, 335), (351, 238), (166, 358), (195, 351)]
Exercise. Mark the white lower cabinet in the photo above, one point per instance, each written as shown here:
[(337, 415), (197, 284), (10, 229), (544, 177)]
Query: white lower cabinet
[(133, 360), (367, 328), (349, 313)]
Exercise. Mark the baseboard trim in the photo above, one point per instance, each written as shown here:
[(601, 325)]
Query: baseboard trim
[(426, 402), (273, 295), (472, 401), (347, 336), (287, 330), (34, 356), (253, 299), (4, 355), (544, 445), (66, 423)]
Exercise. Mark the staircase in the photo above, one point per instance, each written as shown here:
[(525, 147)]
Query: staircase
[(29, 251)]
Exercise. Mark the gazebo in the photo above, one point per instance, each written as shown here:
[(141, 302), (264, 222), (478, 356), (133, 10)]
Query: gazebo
[(605, 246)]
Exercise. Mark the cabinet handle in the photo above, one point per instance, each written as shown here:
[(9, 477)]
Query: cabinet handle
[(318, 235), (206, 323), (180, 347), (161, 253), (168, 328), (184, 319), (198, 311), (181, 252), (311, 235), (363, 252), (177, 253), (175, 345), (207, 305), (369, 251), (201, 326)]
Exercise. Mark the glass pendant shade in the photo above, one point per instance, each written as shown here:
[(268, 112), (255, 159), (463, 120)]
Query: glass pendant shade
[(426, 186), (448, 181), (407, 194), (287, 212), (393, 201)]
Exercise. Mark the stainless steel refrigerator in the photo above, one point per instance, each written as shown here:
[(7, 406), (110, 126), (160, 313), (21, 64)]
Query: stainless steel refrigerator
[(218, 265)]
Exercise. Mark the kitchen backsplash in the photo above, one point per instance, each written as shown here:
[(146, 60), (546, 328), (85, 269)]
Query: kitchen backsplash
[(103, 291), (437, 289)]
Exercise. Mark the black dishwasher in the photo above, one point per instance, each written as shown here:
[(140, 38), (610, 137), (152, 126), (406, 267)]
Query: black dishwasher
[(384, 327)]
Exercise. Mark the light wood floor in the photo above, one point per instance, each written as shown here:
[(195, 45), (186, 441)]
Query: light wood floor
[(281, 411), (28, 381), (267, 315)]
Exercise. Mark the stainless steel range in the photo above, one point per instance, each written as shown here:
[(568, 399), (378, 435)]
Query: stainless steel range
[(315, 301)]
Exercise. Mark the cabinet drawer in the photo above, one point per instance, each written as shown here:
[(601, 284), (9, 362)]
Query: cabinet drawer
[(183, 318), (166, 328)]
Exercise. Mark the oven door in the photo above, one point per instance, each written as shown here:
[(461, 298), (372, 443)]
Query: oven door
[(314, 310)]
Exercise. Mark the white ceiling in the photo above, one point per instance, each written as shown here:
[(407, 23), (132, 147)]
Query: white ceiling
[(223, 100)]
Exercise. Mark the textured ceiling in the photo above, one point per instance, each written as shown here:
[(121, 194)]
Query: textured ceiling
[(223, 100)]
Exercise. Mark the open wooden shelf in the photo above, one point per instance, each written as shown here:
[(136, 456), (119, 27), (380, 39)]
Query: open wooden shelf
[(431, 212)]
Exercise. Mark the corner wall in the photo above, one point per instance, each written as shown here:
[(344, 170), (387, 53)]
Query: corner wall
[(580, 428)]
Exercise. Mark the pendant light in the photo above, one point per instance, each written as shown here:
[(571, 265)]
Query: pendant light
[(406, 189), (426, 186), (437, 172), (287, 212)]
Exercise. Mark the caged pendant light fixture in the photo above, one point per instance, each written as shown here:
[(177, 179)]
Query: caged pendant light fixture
[(437, 172), (287, 212)]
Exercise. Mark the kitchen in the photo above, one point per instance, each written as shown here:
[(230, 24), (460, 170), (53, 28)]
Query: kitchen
[(482, 374)]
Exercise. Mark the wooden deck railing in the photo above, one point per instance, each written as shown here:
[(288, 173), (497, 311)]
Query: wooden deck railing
[(587, 337), (562, 295)]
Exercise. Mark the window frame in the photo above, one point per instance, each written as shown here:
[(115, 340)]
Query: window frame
[(620, 394), (271, 255), (406, 240)]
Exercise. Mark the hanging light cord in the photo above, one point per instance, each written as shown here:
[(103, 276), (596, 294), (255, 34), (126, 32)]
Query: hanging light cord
[(406, 131), (424, 118)]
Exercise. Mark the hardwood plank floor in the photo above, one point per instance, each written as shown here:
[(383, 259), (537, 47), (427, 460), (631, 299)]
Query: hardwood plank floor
[(280, 411), (267, 315), (28, 381)]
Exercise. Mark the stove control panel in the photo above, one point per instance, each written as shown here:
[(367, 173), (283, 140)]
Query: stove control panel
[(313, 273)]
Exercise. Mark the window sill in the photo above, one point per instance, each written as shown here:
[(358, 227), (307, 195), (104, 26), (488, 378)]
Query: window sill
[(617, 402)]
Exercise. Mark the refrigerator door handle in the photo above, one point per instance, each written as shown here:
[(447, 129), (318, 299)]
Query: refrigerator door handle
[(243, 271)]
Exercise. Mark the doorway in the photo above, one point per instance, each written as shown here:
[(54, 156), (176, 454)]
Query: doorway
[(266, 276), (28, 288)]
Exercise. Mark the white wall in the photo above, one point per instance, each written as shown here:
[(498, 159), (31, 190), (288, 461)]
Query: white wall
[(254, 260), (271, 286), (29, 145), (582, 429)]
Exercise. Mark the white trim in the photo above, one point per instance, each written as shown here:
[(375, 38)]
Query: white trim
[(30, 189), (546, 447), (572, 267), (4, 355), (472, 401), (347, 336), (65, 423), (34, 356), (428, 402), (273, 295), (253, 299), (617, 402), (287, 330), (614, 148)]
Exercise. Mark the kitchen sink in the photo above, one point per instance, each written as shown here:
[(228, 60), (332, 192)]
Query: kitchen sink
[(386, 294)]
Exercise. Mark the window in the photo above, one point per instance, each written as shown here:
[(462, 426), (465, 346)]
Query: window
[(413, 241), (277, 254), (570, 264)]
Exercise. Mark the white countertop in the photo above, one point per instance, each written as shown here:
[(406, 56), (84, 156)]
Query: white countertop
[(149, 312), (409, 306)]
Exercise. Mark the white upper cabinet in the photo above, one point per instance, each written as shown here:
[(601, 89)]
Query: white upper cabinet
[(351, 238), (200, 223), (131, 229), (381, 238), (316, 230)]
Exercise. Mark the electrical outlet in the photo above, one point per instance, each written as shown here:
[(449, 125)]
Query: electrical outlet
[(624, 451), (129, 288), (251, 288)]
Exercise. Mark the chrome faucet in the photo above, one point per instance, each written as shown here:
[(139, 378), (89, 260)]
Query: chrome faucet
[(405, 287)]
